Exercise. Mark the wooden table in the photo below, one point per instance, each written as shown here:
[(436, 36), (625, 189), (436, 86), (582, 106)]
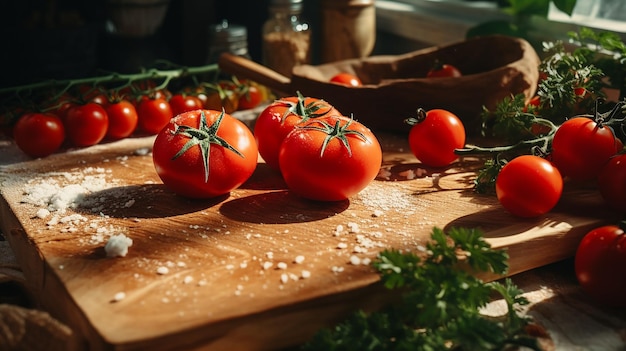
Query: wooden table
[(226, 274)]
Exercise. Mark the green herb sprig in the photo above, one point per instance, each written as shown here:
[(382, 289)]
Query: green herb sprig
[(440, 303)]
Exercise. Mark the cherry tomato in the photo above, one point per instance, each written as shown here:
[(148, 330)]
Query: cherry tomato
[(153, 115), (599, 262), (435, 135), (612, 182), (222, 96), (440, 70), (346, 79), (280, 117), (581, 147), (204, 153), (122, 119), (329, 158), (250, 97), (39, 134), (183, 102), (86, 124), (529, 186)]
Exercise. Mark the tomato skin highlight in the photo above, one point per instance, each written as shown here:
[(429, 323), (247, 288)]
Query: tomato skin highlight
[(339, 172), (185, 175), (122, 119), (153, 114), (434, 139), (580, 148), (279, 118), (87, 124), (599, 265), (529, 186), (612, 183), (39, 134), (346, 79)]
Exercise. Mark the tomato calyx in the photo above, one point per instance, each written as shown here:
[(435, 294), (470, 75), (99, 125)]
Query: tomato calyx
[(301, 108), (335, 131), (203, 136), (421, 116)]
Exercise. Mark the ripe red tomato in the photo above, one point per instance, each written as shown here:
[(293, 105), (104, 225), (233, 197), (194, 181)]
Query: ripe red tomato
[(440, 70), (86, 124), (204, 153), (280, 117), (153, 115), (329, 158), (250, 97), (612, 182), (435, 135), (122, 119), (39, 134), (599, 262), (346, 79), (180, 103), (581, 147), (529, 186)]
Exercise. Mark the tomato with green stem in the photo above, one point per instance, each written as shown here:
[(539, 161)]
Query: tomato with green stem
[(153, 115), (435, 135), (280, 117), (581, 146), (599, 262), (39, 134), (204, 154), (87, 124), (123, 119), (529, 186), (329, 158)]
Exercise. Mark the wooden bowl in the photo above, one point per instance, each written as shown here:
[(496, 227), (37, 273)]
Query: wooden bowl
[(493, 68)]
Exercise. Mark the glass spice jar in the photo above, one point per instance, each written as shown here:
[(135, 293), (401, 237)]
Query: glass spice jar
[(226, 37), (286, 37), (348, 29)]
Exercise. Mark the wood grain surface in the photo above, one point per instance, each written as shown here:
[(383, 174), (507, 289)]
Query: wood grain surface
[(257, 269)]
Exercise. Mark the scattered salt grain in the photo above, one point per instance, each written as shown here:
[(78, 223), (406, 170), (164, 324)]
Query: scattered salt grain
[(267, 265), (119, 296), (118, 245), (284, 278), (42, 213), (281, 265), (377, 213), (342, 245), (306, 274), (188, 279), (353, 227), (162, 270), (299, 259), (355, 260)]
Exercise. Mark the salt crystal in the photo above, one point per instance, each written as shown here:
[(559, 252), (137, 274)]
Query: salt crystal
[(118, 245), (42, 213), (355, 260), (284, 278), (299, 259), (119, 296), (282, 265), (162, 270), (306, 274)]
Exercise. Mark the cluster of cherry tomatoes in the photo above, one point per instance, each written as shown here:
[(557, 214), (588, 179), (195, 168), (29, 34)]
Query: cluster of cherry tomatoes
[(321, 154), (87, 115)]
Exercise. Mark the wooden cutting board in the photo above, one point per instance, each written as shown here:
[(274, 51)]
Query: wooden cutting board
[(258, 269)]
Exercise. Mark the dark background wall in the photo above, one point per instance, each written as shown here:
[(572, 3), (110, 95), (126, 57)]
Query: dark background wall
[(61, 39)]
